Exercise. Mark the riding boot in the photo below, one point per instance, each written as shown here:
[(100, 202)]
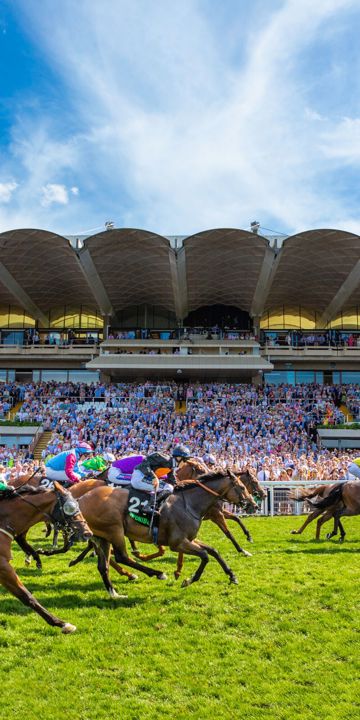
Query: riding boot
[(162, 496)]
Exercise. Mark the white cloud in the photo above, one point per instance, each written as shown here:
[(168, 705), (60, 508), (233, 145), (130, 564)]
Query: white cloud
[(54, 193), (6, 191), (176, 135)]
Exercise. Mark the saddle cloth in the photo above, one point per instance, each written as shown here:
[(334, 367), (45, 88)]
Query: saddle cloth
[(139, 506)]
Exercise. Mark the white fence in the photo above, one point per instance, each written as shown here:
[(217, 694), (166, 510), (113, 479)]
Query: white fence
[(277, 501)]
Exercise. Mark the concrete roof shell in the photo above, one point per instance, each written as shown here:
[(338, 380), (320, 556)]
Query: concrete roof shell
[(134, 267), (223, 266), (317, 269), (46, 267), (311, 267)]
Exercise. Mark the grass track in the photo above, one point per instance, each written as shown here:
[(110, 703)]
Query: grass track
[(284, 644)]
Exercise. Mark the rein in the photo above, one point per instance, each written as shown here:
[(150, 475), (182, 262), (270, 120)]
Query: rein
[(28, 479)]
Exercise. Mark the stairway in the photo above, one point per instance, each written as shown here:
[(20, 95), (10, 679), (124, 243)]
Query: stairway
[(180, 407), (15, 409), (346, 412), (41, 444)]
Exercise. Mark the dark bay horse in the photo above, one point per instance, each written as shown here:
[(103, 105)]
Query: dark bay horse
[(105, 510), (17, 515), (330, 501), (191, 469)]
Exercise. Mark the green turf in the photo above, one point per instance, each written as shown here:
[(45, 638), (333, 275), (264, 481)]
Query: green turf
[(284, 643)]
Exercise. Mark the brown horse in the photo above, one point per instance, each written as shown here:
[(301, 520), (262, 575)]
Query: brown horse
[(191, 469), (180, 518), (331, 501), (77, 491), (18, 513)]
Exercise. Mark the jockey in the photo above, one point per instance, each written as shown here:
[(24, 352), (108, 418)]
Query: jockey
[(150, 474), (96, 464), (121, 470), (180, 454), (354, 467), (64, 467)]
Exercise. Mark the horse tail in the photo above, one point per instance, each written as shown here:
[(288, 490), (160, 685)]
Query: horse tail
[(300, 493), (332, 498)]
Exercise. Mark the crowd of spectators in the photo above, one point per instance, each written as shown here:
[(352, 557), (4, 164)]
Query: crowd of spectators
[(270, 428)]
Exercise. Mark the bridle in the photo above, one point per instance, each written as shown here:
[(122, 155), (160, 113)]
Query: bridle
[(233, 483), (65, 508)]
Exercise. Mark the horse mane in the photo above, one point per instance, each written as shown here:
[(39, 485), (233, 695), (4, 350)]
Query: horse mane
[(23, 490), (197, 465), (204, 479)]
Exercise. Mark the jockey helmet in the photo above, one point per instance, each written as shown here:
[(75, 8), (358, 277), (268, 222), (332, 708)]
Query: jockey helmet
[(109, 457), (181, 451), (83, 448)]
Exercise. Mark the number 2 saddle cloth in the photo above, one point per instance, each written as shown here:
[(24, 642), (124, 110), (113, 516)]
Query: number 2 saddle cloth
[(140, 505)]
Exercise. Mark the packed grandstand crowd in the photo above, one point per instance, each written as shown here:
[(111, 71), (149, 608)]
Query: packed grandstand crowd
[(272, 429)]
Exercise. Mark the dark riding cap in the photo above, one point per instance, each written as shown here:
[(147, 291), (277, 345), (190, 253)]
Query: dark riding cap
[(181, 451)]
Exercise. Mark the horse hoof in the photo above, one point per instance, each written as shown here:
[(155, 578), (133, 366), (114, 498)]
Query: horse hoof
[(72, 563), (28, 561), (250, 539), (185, 583), (132, 577), (233, 580), (136, 553), (293, 532), (246, 553), (176, 575), (67, 629), (115, 595), (341, 540), (39, 566), (162, 576), (329, 536)]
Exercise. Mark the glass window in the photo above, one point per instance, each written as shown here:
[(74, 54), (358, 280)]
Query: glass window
[(350, 377), (11, 375), (319, 377), (58, 375), (279, 377), (36, 376), (86, 376), (8, 337), (305, 376)]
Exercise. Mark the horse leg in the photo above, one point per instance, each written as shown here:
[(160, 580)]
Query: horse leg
[(29, 551), (102, 547), (342, 531), (122, 557), (231, 516), (179, 566), (323, 519), (189, 547), (12, 583), (125, 573), (55, 538), (219, 520), (145, 558), (48, 530), (308, 520), (215, 554)]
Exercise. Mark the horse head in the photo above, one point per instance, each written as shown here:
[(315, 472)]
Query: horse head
[(249, 479), (67, 515)]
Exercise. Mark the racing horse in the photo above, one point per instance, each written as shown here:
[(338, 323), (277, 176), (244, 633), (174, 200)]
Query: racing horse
[(342, 499), (190, 470), (105, 510), (77, 490), (21, 510)]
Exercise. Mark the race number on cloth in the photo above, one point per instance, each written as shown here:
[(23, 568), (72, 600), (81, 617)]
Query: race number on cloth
[(139, 505)]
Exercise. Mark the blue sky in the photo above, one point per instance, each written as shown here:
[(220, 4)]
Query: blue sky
[(179, 116)]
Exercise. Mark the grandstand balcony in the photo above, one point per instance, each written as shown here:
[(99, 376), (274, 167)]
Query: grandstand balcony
[(191, 358)]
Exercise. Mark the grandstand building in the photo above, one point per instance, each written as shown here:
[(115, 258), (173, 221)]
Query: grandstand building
[(221, 304)]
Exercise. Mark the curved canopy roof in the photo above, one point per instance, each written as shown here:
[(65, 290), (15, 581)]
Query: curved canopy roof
[(317, 270)]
